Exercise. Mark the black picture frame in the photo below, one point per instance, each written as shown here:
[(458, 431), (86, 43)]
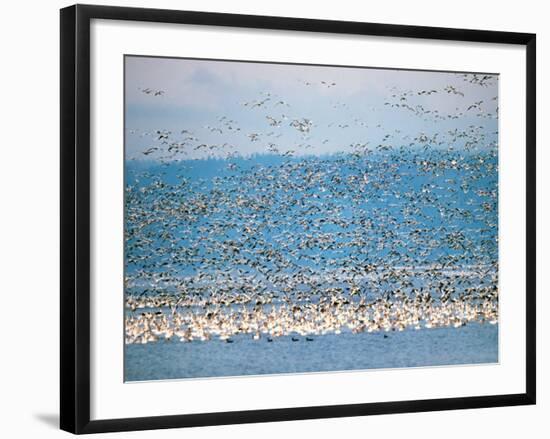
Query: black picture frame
[(75, 217)]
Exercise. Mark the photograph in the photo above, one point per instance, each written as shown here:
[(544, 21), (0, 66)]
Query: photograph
[(266, 220), (296, 218)]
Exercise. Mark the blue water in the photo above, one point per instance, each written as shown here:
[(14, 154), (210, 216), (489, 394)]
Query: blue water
[(471, 344)]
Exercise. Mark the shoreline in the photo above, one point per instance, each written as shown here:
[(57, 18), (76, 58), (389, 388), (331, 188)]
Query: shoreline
[(336, 315)]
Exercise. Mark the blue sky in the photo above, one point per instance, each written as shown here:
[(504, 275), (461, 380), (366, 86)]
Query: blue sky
[(306, 109)]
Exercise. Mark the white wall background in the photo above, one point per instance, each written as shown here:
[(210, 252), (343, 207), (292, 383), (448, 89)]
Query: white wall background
[(29, 200)]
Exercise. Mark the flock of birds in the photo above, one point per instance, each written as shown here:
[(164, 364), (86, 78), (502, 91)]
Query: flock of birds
[(393, 232), (292, 135)]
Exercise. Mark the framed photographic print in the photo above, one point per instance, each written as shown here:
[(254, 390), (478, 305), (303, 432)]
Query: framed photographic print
[(268, 218)]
